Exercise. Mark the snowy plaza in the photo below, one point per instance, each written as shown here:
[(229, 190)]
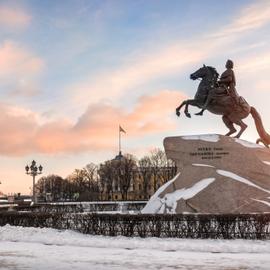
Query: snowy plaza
[(36, 248), (135, 135)]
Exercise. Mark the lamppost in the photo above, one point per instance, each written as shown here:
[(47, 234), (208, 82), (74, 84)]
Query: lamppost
[(33, 170)]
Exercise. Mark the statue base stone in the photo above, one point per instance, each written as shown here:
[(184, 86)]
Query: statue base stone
[(216, 174)]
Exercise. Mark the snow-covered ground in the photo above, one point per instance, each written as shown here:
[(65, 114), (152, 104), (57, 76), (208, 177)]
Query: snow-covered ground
[(36, 248)]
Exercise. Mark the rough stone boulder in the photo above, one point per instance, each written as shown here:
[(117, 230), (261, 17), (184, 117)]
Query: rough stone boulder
[(216, 174)]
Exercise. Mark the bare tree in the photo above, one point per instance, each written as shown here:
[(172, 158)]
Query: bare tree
[(84, 182), (126, 169), (145, 174), (106, 174), (168, 172), (158, 160), (78, 178), (91, 175), (100, 183), (162, 168), (53, 184)]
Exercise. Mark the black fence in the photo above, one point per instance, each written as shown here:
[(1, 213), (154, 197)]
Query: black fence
[(254, 226)]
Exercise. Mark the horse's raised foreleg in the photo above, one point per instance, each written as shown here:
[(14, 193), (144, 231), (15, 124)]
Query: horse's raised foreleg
[(192, 102), (179, 107)]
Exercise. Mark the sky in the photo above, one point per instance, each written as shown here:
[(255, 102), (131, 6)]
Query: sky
[(71, 71)]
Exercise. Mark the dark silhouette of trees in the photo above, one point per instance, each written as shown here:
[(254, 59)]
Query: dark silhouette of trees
[(85, 183), (145, 173), (82, 184), (124, 177), (92, 177), (158, 161), (78, 180), (53, 186), (106, 174), (155, 170), (126, 170)]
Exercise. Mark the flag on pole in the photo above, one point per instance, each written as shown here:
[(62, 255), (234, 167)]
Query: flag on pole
[(121, 129)]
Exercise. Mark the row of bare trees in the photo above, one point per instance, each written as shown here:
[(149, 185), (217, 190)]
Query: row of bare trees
[(81, 184), (97, 182)]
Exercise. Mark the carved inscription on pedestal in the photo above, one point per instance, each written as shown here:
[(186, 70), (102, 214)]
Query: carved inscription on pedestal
[(210, 153)]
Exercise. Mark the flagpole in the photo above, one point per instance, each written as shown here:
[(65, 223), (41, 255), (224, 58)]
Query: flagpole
[(120, 130), (119, 139)]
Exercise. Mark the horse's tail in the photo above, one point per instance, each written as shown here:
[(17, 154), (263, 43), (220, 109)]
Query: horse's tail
[(264, 136)]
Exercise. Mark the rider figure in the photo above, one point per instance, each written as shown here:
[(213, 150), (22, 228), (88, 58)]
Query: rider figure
[(226, 82)]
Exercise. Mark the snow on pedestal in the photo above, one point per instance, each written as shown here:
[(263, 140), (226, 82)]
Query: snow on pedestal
[(217, 174)]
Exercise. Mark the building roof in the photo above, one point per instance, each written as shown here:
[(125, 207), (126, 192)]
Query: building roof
[(119, 156)]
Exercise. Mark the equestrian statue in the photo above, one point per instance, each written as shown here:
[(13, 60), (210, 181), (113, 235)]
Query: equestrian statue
[(219, 96)]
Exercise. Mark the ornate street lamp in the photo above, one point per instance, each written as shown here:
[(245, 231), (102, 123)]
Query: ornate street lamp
[(33, 170)]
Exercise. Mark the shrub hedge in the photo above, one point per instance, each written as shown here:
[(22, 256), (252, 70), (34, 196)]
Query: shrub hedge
[(252, 226)]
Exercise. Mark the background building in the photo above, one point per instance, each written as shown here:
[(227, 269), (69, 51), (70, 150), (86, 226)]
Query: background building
[(124, 178)]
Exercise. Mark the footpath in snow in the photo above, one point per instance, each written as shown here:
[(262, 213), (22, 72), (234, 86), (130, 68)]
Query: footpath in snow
[(37, 248)]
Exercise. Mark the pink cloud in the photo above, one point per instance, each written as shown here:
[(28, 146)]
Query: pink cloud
[(95, 130), (143, 119), (20, 69), (13, 17), (252, 17), (18, 127), (17, 61)]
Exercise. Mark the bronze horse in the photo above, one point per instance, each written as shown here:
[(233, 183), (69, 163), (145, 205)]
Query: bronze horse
[(224, 105)]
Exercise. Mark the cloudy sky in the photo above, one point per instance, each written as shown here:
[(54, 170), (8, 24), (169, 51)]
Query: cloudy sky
[(71, 71)]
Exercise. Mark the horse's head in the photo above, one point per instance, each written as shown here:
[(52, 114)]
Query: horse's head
[(205, 72)]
